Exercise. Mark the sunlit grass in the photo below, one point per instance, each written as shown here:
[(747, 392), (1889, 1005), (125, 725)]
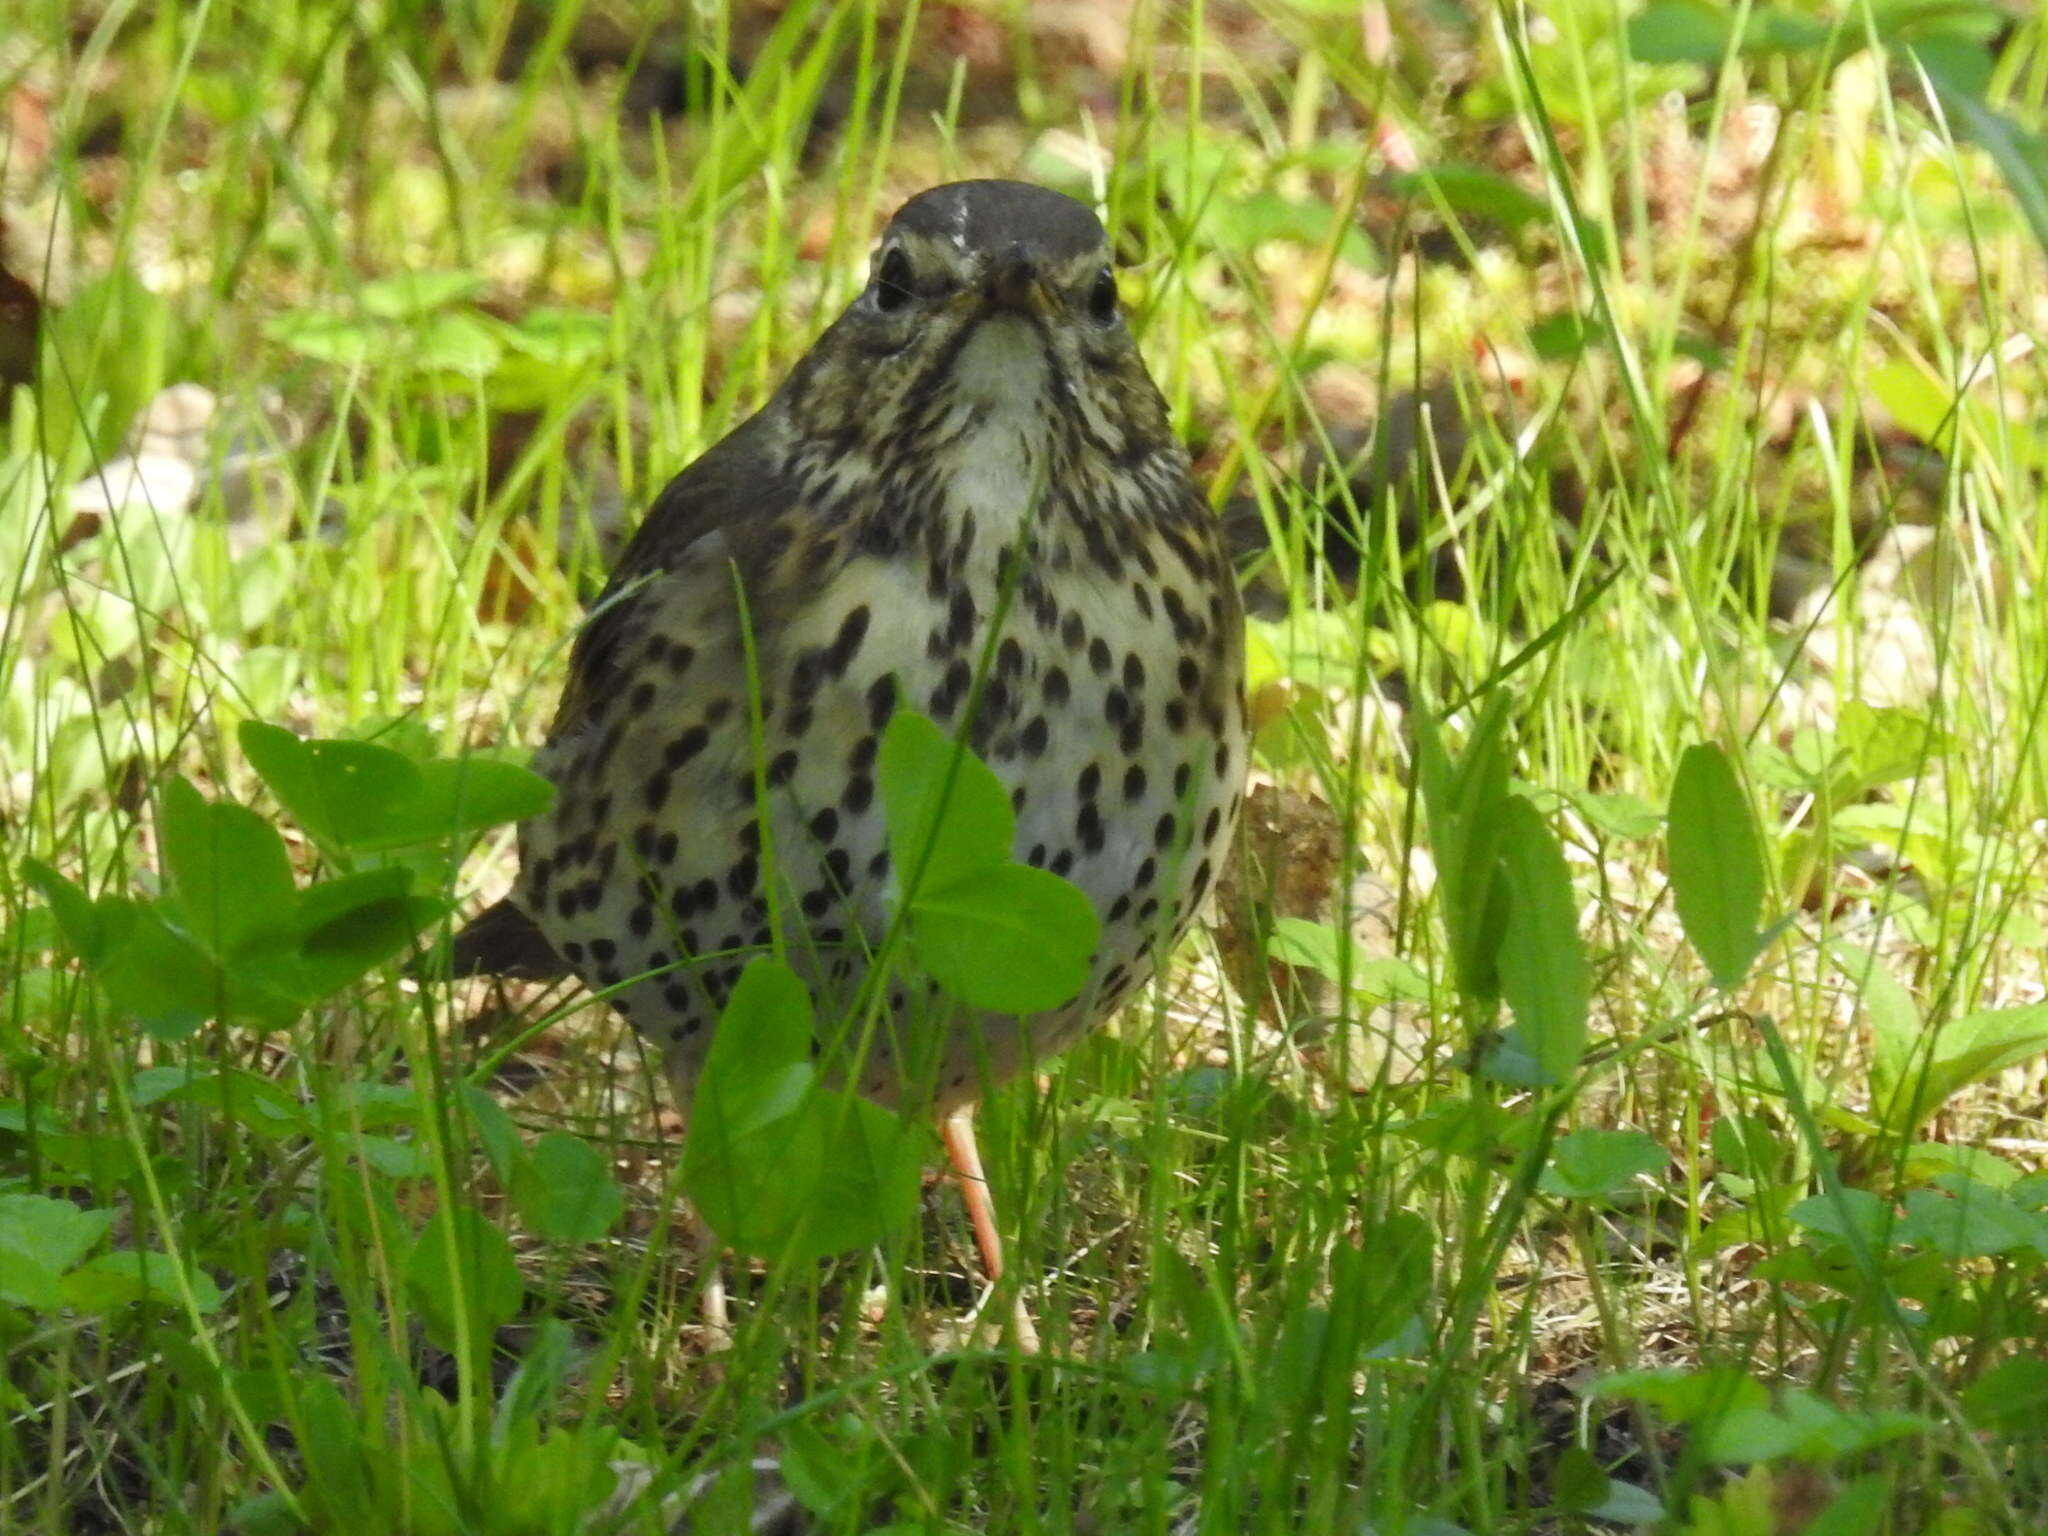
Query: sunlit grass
[(1292, 1257)]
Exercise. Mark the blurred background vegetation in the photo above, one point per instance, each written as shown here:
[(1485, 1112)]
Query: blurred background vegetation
[(1584, 381)]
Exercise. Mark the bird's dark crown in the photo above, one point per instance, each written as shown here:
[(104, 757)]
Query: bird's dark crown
[(986, 218)]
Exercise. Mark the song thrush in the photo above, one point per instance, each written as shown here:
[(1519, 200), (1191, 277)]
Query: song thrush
[(975, 433)]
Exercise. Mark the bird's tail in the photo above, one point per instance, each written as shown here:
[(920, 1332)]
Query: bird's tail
[(503, 941)]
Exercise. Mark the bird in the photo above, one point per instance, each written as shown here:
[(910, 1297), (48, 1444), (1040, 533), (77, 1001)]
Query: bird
[(971, 460)]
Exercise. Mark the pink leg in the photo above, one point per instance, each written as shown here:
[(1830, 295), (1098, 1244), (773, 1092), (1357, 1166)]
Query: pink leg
[(957, 1131)]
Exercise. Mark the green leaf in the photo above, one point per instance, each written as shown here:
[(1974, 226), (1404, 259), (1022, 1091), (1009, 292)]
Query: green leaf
[(778, 1165), (1717, 870), (1977, 1047), (1697, 32), (41, 1238), (78, 917), (103, 356), (356, 796), (1915, 399), (948, 815), (1543, 972), (1577, 1483), (869, 1177), (1589, 1164), (1008, 938), (566, 1190), (1974, 1225), (462, 1263), (1802, 1425), (1846, 1215), (454, 343), (1896, 1030), (408, 295), (1473, 190), (130, 1275), (228, 872), (750, 1158), (1467, 805), (2011, 1397), (326, 337), (1680, 32)]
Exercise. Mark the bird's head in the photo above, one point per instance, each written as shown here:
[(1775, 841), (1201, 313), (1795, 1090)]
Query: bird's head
[(990, 306)]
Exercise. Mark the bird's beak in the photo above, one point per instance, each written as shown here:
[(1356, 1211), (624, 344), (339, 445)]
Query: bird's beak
[(1014, 284)]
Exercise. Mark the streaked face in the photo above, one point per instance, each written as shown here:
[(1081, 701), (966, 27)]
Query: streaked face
[(994, 304)]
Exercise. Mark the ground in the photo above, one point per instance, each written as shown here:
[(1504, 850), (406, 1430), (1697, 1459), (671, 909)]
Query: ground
[(1646, 413)]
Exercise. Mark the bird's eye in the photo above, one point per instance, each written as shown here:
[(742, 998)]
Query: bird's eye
[(1102, 296), (892, 281)]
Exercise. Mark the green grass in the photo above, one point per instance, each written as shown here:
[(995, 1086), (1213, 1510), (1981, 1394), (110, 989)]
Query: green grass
[(1300, 1265)]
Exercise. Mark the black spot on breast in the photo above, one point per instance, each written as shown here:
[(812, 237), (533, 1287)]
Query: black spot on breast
[(1142, 596), (1145, 873), (825, 825), (641, 699), (960, 616), (1189, 673), (641, 921), (1098, 656), (860, 793), (1209, 827), (1088, 827), (1117, 910), (686, 746), (1134, 671), (656, 793), (1089, 782), (716, 711), (816, 902), (1222, 760), (1072, 631), (573, 952), (881, 700), (798, 720), (1176, 716), (1148, 910), (1056, 687), (741, 877), (1017, 798), (1201, 880), (1162, 831), (1009, 657), (1036, 857), (878, 866), (782, 768), (1062, 862), (1132, 735), (1033, 740), (1134, 782), (853, 630), (603, 949), (1181, 775), (665, 848)]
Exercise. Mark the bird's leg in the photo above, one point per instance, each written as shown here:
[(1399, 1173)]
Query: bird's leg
[(957, 1131), (712, 1311)]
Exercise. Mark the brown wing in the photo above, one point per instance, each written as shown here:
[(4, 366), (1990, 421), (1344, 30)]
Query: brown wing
[(717, 510)]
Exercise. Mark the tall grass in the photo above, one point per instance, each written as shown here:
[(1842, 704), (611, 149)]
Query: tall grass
[(1689, 333)]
